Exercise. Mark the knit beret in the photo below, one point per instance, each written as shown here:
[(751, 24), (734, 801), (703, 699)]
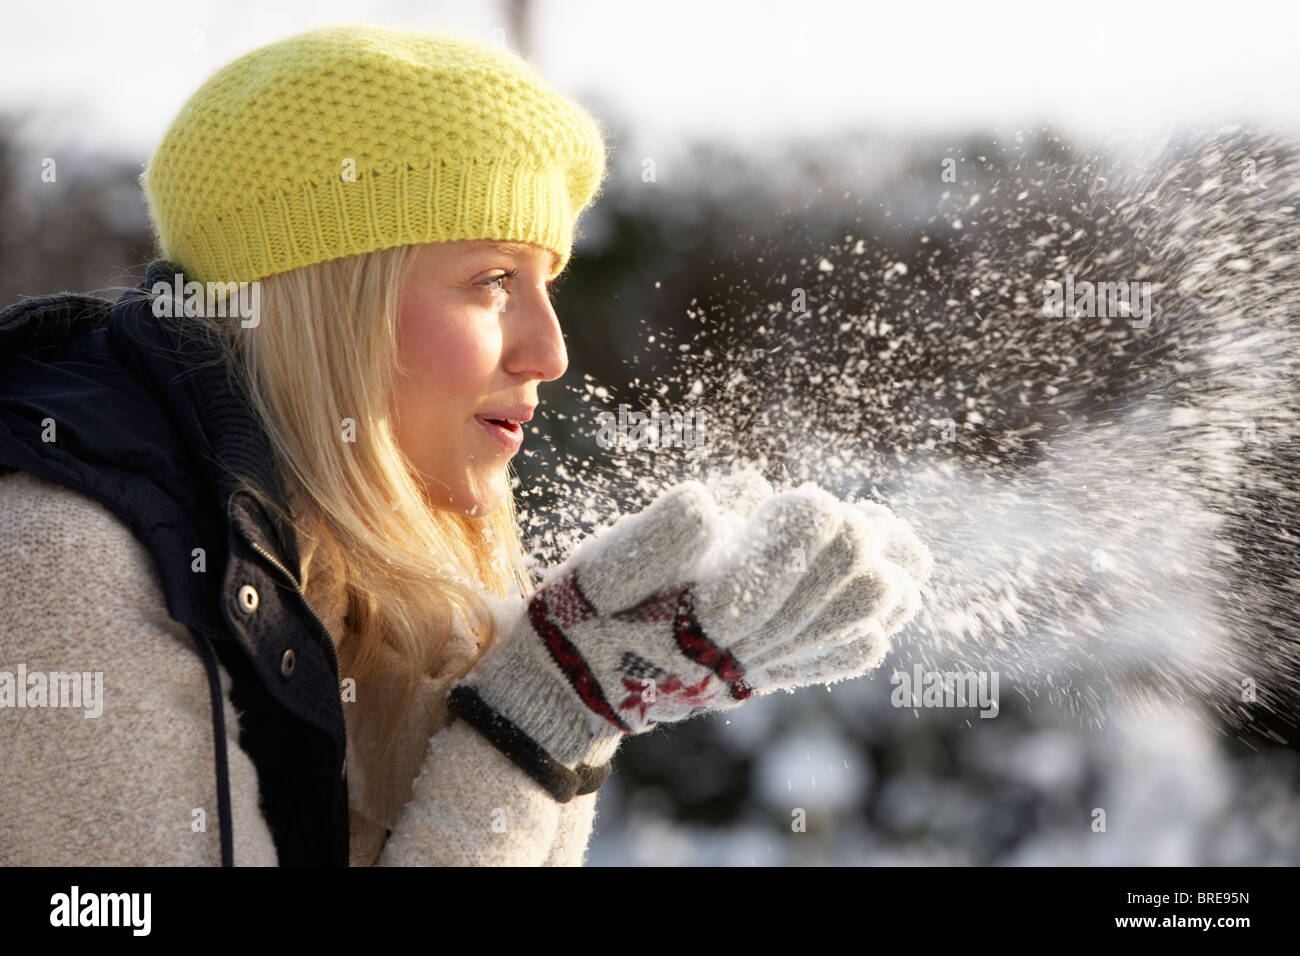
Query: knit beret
[(350, 139)]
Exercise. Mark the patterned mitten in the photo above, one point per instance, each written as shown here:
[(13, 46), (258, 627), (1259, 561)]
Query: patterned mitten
[(687, 607)]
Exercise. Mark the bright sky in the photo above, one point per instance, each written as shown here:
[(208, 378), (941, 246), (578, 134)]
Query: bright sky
[(113, 75)]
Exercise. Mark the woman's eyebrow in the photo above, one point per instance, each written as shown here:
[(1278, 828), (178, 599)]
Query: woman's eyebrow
[(521, 248)]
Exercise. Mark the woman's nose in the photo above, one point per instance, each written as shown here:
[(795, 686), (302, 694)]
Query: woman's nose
[(537, 348)]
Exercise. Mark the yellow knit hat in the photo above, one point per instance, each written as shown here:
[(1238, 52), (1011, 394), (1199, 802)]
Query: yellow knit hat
[(350, 139)]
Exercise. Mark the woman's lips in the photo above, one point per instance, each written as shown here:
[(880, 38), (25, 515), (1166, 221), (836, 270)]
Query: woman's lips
[(508, 434)]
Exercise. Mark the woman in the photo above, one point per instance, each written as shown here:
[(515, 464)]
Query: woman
[(273, 514)]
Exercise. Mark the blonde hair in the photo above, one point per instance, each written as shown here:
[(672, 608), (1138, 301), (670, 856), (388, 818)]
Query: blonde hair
[(325, 350)]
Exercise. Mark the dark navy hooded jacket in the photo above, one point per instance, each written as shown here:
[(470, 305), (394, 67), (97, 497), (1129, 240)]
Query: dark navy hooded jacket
[(147, 422)]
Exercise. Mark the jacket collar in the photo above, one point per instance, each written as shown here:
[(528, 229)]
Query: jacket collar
[(212, 417), (149, 422)]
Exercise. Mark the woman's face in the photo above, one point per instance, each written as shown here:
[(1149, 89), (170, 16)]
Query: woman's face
[(476, 336)]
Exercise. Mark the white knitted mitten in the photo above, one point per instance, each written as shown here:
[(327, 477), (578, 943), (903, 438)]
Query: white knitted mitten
[(693, 606)]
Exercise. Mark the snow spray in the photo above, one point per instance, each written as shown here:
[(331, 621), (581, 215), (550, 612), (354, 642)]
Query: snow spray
[(1085, 403)]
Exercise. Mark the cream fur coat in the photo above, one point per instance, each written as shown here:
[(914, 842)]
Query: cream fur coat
[(136, 785)]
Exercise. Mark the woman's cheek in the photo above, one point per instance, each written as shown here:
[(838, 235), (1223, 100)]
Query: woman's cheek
[(468, 358), (432, 350)]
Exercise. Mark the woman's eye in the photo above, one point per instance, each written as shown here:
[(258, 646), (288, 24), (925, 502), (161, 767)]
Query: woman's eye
[(496, 283), (490, 284)]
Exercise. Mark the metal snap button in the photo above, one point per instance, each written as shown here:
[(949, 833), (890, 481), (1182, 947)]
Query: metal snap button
[(248, 598), (286, 663)]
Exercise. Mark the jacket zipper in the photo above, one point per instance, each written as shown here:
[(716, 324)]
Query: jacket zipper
[(331, 651)]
